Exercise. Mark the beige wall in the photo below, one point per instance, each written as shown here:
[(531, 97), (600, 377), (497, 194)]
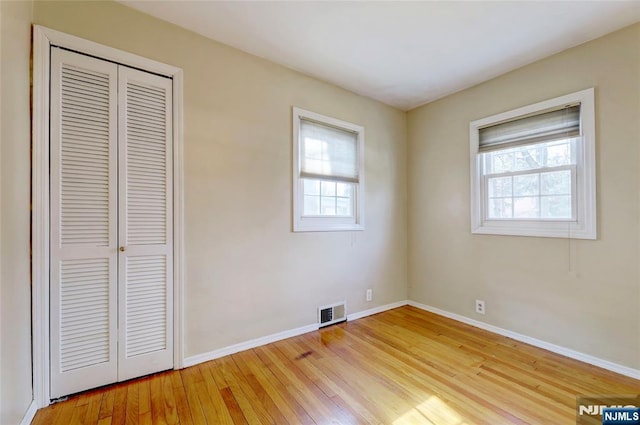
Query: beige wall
[(584, 295), (15, 292), (247, 274)]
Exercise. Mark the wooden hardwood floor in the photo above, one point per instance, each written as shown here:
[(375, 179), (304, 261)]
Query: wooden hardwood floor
[(404, 366)]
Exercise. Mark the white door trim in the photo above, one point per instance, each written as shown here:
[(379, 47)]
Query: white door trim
[(43, 39)]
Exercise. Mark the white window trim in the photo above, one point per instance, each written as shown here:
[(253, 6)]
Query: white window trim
[(585, 225), (326, 224), (43, 39)]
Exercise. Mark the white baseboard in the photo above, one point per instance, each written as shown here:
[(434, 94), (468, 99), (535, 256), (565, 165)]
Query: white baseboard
[(257, 342), (247, 345), (30, 414), (376, 310), (567, 352)]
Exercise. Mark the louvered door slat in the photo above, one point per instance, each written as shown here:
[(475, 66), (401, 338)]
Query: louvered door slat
[(146, 114), (146, 297), (83, 222)]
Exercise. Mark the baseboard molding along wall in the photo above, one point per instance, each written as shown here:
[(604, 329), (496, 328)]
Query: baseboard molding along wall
[(247, 345), (30, 414), (376, 310), (257, 342), (567, 352)]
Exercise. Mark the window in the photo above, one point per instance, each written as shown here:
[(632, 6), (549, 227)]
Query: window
[(533, 170), (328, 180)]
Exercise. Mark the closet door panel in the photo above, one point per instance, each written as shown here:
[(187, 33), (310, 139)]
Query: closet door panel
[(83, 222), (145, 232)]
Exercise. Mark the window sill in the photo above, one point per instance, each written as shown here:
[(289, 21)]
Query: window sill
[(569, 230), (324, 225)]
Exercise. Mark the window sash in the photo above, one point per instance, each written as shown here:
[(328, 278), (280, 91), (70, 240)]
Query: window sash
[(541, 170), (353, 200), (487, 159), (547, 126)]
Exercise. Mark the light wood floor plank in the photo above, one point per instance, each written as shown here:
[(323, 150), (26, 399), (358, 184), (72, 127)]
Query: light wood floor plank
[(319, 406), (78, 414), (401, 367), (197, 414), (120, 404), (332, 384), (132, 411), (182, 404), (439, 378), (106, 408), (157, 402), (93, 410), (234, 409), (144, 396), (214, 406), (249, 362), (170, 410), (248, 409), (403, 376), (66, 411)]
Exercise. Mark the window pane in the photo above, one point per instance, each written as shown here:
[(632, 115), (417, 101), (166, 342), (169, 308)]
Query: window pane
[(311, 205), (311, 187), (328, 188), (527, 184), (500, 208), (556, 183), (327, 205), (500, 187), (344, 189), (527, 207), (501, 162), (344, 207), (558, 154), (527, 158), (555, 206)]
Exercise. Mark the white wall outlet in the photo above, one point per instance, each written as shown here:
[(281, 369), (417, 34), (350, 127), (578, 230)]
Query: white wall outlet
[(369, 294), (479, 306)]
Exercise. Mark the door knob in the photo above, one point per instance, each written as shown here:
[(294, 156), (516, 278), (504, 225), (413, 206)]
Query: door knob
[(123, 249)]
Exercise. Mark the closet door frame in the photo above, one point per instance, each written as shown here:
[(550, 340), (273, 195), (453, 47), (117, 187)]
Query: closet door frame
[(43, 40)]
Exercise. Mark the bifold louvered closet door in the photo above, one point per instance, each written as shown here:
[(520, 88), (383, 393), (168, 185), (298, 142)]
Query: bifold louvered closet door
[(111, 248)]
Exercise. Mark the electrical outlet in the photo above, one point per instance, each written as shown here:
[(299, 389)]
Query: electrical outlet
[(479, 306), (369, 294)]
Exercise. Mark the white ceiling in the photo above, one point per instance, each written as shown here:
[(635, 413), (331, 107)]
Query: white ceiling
[(401, 53)]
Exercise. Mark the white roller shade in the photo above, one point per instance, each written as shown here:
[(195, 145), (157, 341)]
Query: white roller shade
[(544, 127), (327, 151)]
